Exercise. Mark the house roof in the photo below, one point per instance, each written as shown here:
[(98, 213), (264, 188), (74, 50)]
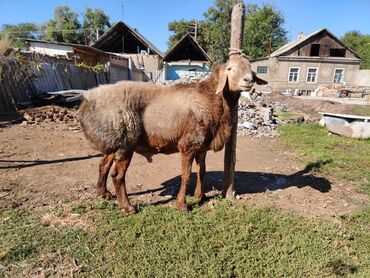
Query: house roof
[(187, 49), (76, 46), (111, 40), (300, 41)]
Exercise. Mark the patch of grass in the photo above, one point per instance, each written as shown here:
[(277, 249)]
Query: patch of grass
[(222, 239), (79, 208), (345, 158), (362, 110)]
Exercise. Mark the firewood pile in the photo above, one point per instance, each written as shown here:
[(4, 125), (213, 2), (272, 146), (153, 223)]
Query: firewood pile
[(50, 113)]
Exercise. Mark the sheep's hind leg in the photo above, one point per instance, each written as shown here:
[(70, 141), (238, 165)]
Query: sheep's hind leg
[(200, 159), (122, 161), (104, 167), (186, 161)]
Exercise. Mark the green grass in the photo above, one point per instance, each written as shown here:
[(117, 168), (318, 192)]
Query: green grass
[(225, 239), (217, 239), (339, 157), (362, 110)]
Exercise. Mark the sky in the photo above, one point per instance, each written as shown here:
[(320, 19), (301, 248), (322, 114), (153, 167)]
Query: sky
[(151, 17)]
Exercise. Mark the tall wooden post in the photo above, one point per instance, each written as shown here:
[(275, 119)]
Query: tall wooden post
[(236, 42)]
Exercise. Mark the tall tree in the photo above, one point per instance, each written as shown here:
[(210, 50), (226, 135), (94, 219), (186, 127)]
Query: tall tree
[(361, 44), (263, 30), (96, 20), (218, 27), (64, 26)]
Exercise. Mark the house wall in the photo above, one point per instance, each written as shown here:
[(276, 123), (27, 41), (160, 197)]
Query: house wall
[(50, 49), (362, 78), (278, 72), (145, 64), (118, 69), (177, 71)]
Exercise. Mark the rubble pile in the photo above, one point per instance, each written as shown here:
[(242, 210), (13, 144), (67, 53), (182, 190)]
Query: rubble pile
[(188, 79), (339, 90), (255, 116), (49, 114)]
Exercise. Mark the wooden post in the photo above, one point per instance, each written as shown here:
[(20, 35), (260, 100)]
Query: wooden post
[(236, 41)]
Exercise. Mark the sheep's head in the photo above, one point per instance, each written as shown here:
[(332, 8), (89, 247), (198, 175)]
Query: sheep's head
[(237, 75)]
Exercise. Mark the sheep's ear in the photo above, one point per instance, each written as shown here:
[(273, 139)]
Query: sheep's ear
[(222, 78), (258, 80)]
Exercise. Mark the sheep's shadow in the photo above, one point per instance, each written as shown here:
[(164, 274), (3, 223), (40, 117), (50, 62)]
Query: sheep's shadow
[(252, 182)]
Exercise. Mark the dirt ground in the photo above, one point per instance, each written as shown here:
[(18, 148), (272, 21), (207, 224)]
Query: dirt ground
[(51, 165)]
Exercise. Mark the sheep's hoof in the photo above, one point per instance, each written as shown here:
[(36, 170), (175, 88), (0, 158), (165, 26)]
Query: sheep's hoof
[(200, 198), (106, 195), (182, 207), (129, 210)]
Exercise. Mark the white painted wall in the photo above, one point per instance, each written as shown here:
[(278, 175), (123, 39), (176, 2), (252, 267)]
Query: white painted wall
[(50, 49)]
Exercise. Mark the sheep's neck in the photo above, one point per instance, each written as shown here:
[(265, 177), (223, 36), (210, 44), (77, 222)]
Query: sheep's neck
[(223, 113)]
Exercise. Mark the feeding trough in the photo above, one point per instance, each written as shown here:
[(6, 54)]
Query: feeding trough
[(347, 125)]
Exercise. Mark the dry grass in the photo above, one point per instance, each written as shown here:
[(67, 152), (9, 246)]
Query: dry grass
[(5, 44)]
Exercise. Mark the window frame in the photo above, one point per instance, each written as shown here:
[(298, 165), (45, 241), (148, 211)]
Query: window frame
[(343, 71), (290, 68), (308, 69), (262, 67)]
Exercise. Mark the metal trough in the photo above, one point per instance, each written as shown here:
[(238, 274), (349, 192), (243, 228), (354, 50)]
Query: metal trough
[(347, 125)]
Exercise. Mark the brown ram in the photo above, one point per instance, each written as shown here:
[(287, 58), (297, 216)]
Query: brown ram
[(129, 117)]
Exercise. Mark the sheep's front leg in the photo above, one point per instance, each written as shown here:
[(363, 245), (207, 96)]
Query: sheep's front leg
[(122, 161), (104, 167), (186, 161), (200, 159)]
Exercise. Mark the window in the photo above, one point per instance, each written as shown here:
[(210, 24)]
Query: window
[(311, 75), (338, 75), (261, 69), (337, 52), (293, 75), (315, 50)]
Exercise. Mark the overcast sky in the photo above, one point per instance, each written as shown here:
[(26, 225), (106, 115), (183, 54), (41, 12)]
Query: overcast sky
[(151, 17)]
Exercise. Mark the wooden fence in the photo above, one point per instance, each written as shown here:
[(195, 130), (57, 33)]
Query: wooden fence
[(20, 83)]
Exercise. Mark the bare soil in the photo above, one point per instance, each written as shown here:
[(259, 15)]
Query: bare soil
[(50, 164)]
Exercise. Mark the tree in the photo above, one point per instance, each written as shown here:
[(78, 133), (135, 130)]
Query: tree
[(22, 30), (97, 21), (263, 31), (217, 29), (359, 43), (64, 26)]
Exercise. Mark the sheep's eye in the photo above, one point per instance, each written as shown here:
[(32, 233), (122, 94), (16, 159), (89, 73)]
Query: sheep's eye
[(229, 68)]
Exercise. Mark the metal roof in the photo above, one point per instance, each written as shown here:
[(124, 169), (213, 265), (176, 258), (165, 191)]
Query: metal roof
[(79, 46), (187, 49), (119, 29), (289, 46)]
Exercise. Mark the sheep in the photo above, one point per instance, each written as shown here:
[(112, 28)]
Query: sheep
[(126, 117)]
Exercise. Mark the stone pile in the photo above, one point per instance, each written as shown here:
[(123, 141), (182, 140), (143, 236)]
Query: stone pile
[(255, 116), (49, 114)]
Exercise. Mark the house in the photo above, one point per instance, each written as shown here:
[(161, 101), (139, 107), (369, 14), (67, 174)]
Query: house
[(308, 62), (145, 60), (186, 58), (77, 53)]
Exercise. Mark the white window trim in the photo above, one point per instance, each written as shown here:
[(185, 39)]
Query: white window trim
[(317, 70), (334, 74), (299, 69)]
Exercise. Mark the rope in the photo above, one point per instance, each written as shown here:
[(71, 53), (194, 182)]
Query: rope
[(236, 51)]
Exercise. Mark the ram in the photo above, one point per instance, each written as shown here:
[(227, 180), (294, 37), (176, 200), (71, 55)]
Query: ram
[(127, 117)]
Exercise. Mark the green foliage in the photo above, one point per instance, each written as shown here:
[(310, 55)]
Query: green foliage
[(349, 158), (22, 30), (263, 30), (361, 44), (63, 26), (262, 26), (222, 240), (95, 19)]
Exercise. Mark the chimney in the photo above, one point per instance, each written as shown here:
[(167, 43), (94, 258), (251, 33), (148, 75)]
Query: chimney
[(300, 35)]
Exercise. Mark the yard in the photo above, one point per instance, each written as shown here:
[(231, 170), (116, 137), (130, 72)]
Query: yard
[(302, 210)]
